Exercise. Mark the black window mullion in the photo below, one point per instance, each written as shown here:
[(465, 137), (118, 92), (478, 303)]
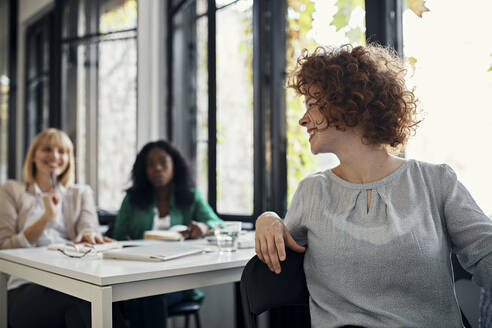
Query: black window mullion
[(212, 107), (277, 41), (258, 109), (384, 23), (12, 119), (56, 117)]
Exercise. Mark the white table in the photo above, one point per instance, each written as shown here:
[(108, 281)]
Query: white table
[(102, 281)]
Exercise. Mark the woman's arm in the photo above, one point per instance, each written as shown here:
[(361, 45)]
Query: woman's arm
[(273, 234), (87, 226), (271, 237), (203, 212), (51, 205), (9, 236), (9, 207), (203, 217), (470, 230)]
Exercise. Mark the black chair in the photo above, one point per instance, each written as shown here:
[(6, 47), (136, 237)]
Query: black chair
[(107, 218), (187, 309), (263, 290), (460, 273)]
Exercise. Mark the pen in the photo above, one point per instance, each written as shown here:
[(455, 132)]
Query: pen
[(53, 180)]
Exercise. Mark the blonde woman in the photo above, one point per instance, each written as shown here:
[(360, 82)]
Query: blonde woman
[(46, 208)]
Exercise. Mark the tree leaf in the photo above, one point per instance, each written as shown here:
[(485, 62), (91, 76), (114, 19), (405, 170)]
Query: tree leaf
[(417, 6), (344, 11), (412, 61), (355, 35)]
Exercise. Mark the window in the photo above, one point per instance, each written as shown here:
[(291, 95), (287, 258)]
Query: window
[(212, 107), (40, 109), (312, 23), (229, 61), (450, 68), (4, 87), (99, 74), (234, 76)]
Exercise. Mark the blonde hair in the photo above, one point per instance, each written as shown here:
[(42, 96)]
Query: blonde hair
[(50, 136)]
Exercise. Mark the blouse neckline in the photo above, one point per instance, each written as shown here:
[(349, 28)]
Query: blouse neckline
[(370, 185)]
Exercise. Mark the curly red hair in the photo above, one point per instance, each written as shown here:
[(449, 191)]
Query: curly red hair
[(361, 86)]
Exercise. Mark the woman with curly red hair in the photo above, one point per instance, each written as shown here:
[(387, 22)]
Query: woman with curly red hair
[(378, 230)]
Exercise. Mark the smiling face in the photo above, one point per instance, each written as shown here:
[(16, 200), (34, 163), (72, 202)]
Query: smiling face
[(51, 157), (323, 138), (160, 170)]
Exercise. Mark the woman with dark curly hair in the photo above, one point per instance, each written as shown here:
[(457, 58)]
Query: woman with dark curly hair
[(162, 195), (378, 230)]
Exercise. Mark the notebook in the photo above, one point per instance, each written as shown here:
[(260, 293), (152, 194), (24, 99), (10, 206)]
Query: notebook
[(154, 252), (163, 235)]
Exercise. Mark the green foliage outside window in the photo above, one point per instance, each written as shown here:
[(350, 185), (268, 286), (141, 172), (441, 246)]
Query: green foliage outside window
[(300, 160)]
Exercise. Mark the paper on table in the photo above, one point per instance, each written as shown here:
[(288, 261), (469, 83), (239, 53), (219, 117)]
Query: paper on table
[(154, 253), (84, 247)]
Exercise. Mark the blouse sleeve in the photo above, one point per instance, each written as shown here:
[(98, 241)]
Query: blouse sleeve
[(295, 215), (203, 212), (9, 236), (87, 220), (469, 228)]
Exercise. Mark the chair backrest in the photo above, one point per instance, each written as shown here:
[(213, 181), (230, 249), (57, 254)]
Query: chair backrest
[(263, 290), (471, 312), (107, 218)]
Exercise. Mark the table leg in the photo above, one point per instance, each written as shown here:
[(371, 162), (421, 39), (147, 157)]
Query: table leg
[(102, 308)]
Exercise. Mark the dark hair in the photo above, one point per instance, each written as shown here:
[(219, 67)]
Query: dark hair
[(359, 86), (141, 193)]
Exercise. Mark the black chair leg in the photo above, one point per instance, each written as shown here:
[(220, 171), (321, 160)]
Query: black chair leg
[(187, 321), (197, 320)]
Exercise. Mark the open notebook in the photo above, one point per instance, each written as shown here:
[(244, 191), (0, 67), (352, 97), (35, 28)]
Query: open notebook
[(154, 252)]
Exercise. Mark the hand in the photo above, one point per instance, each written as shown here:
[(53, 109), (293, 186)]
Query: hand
[(197, 230), (51, 202), (270, 239), (92, 237)]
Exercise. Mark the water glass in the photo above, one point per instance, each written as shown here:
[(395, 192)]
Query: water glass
[(226, 234)]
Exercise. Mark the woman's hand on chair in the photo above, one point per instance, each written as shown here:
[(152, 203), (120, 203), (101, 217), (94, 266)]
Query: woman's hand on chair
[(271, 237)]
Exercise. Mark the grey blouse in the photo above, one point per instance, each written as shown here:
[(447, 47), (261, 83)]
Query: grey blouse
[(389, 266)]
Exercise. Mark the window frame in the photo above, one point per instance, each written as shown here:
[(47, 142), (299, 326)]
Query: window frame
[(12, 101), (68, 114), (383, 25), (269, 138)]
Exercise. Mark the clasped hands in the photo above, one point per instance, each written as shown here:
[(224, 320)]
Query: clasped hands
[(195, 230), (271, 237)]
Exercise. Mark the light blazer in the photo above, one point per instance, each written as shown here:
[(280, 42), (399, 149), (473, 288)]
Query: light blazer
[(17, 200)]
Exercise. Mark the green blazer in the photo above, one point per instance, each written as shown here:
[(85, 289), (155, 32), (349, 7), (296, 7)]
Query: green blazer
[(132, 221)]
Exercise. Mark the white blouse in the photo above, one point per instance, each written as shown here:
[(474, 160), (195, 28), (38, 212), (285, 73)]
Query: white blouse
[(54, 233)]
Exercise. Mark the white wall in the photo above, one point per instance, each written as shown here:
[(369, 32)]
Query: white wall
[(151, 117)]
